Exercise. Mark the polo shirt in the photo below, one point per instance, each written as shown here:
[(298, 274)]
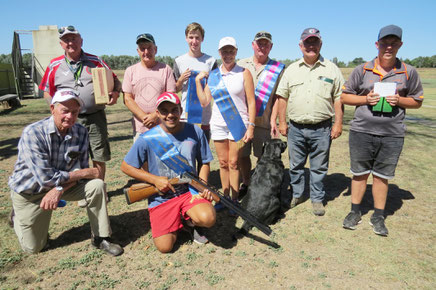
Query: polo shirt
[(311, 91), (58, 75), (361, 82), (248, 63)]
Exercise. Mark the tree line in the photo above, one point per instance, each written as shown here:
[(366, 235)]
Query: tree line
[(123, 61)]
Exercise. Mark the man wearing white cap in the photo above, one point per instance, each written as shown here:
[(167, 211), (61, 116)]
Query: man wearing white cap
[(312, 87), (48, 152)]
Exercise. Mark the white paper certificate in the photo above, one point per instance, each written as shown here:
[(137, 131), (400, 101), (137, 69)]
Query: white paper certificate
[(385, 89)]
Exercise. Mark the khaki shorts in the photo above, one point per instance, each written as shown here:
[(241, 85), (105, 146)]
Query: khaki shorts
[(96, 124), (260, 136)]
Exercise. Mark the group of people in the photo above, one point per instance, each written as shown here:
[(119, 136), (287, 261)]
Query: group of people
[(172, 133)]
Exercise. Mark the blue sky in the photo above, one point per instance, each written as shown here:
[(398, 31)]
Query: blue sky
[(349, 28)]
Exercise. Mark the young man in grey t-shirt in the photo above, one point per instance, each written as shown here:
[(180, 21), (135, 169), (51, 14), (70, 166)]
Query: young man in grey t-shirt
[(186, 67)]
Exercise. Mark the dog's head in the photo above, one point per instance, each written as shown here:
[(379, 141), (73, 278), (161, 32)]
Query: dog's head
[(273, 148)]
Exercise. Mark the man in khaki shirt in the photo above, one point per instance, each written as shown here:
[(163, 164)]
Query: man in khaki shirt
[(262, 45), (312, 87)]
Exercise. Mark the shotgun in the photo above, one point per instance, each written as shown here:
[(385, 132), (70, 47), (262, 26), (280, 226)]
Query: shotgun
[(142, 191)]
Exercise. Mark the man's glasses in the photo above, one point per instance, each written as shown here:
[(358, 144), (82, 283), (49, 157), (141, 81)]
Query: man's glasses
[(69, 28)]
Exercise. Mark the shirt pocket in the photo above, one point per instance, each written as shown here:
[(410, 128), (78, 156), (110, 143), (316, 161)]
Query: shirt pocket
[(295, 89), (325, 90)]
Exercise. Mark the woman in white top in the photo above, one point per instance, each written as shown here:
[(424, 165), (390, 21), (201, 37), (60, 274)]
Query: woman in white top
[(239, 84)]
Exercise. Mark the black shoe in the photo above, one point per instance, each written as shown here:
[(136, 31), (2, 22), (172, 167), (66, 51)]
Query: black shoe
[(242, 191), (352, 220), (378, 225), (11, 218), (107, 246)]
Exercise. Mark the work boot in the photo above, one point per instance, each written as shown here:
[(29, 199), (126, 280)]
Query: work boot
[(296, 201), (318, 208)]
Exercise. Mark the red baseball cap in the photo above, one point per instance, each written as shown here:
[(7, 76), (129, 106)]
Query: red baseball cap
[(167, 97)]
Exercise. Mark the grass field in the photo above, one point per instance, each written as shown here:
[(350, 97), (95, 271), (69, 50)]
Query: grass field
[(314, 252)]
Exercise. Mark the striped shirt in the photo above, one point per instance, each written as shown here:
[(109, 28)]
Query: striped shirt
[(44, 156)]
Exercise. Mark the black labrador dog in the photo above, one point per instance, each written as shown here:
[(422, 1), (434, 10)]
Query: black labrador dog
[(263, 196)]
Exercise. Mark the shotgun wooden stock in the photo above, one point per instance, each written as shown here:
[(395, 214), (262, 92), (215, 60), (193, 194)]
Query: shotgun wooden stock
[(140, 191)]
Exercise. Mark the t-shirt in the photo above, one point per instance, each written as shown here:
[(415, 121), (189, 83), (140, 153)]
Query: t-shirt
[(361, 82), (234, 82), (146, 85), (202, 63), (190, 142)]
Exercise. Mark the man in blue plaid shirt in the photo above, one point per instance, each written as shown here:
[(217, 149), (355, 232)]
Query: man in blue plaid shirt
[(53, 163)]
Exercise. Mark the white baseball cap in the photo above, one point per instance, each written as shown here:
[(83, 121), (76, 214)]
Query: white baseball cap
[(65, 95), (228, 40)]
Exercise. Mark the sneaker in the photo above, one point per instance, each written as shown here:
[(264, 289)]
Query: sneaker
[(196, 233), (378, 225), (352, 220), (318, 208), (296, 201), (242, 191), (197, 237)]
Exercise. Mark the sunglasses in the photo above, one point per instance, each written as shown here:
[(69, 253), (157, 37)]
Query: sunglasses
[(263, 35), (69, 28)]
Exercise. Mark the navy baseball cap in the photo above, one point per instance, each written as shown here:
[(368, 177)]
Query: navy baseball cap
[(145, 36), (310, 32), (390, 30)]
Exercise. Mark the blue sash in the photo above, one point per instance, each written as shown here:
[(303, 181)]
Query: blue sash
[(226, 106), (194, 111), (265, 85), (164, 148)]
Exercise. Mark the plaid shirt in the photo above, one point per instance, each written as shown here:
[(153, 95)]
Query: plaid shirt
[(44, 157)]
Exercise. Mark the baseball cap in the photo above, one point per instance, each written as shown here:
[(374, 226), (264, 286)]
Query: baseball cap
[(390, 30), (167, 97), (64, 30), (228, 40), (145, 36), (310, 32), (263, 35), (65, 95)]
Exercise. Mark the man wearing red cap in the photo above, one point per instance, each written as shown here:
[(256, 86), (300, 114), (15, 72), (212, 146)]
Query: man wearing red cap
[(312, 87), (180, 141)]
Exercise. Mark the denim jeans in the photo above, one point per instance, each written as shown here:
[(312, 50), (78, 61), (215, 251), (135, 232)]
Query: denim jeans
[(311, 141)]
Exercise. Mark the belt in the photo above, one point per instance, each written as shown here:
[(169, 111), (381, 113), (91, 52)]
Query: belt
[(321, 124)]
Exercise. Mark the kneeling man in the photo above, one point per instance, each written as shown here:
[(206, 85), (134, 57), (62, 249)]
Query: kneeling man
[(53, 164), (161, 147)]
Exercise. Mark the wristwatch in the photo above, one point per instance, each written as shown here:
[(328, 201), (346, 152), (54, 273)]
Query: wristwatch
[(60, 189)]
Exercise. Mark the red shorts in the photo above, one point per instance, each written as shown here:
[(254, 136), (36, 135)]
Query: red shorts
[(165, 218)]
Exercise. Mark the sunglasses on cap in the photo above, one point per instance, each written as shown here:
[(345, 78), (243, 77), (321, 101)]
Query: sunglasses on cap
[(263, 35), (69, 28)]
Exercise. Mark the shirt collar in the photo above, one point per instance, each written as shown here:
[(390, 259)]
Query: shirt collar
[(320, 61), (398, 68), (52, 129)]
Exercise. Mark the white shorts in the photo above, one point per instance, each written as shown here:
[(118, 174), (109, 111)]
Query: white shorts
[(218, 132)]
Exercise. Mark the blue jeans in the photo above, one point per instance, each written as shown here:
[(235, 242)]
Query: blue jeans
[(311, 141)]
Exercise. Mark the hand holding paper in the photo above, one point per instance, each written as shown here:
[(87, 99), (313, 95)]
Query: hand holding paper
[(384, 90)]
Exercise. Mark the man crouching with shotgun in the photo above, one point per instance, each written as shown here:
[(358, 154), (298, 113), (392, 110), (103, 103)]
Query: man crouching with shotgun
[(168, 149)]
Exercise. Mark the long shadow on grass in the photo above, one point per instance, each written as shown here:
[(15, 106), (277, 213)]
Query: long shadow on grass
[(126, 228), (394, 202), (8, 148)]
